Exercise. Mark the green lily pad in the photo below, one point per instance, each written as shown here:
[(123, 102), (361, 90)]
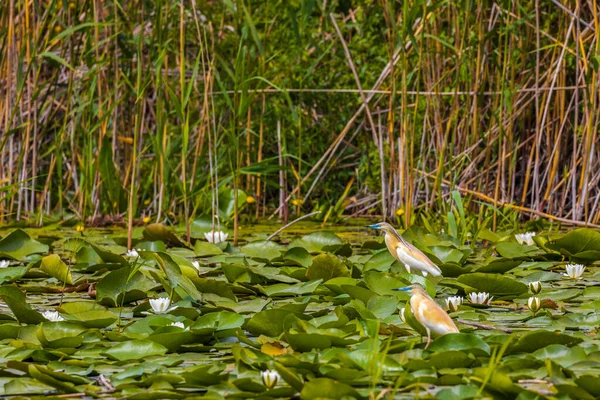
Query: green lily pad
[(264, 250), (123, 285), (317, 242), (535, 340), (54, 266), (203, 249), (135, 350), (15, 300), (460, 342), (324, 388), (326, 267), (217, 321), (18, 245), (90, 315), (494, 284)]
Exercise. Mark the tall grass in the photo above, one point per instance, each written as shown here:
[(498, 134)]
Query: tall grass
[(144, 108)]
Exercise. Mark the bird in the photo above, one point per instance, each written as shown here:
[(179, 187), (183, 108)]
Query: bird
[(429, 314), (405, 252)]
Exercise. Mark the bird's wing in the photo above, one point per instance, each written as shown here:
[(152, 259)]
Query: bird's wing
[(439, 321), (420, 256)]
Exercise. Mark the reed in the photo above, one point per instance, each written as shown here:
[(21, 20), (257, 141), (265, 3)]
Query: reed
[(125, 109)]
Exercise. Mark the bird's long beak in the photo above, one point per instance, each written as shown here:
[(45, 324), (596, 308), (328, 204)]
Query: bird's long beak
[(374, 226), (403, 289)]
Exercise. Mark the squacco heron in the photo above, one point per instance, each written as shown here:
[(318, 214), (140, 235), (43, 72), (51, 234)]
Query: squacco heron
[(405, 252), (429, 314)]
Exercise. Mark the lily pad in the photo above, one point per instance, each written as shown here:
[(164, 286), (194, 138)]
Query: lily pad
[(54, 266), (135, 350), (18, 245), (326, 267), (494, 284)]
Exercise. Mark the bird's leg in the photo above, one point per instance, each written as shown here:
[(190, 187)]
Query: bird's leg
[(407, 268), (428, 338)]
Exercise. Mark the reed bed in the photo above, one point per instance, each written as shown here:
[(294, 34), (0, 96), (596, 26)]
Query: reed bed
[(159, 109)]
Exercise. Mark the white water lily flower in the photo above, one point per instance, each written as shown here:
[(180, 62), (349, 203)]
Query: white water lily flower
[(269, 378), (574, 271), (401, 313), (4, 263), (480, 298), (132, 253), (52, 316), (161, 305), (535, 287), (453, 302), (178, 324), (525, 238), (534, 304), (216, 236)]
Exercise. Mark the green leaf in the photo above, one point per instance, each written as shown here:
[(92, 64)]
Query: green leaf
[(281, 289), (269, 322), (89, 314), (54, 266), (160, 232), (203, 249), (495, 284), (533, 341), (123, 285), (324, 388), (59, 384), (217, 321), (15, 300), (61, 334), (263, 250), (462, 342), (11, 274), (298, 256), (289, 376), (18, 245), (326, 267), (317, 242), (175, 277), (135, 350), (578, 241)]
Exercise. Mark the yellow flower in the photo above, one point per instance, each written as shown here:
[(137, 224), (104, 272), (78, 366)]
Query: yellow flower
[(79, 228), (147, 219), (400, 212), (250, 200), (297, 202)]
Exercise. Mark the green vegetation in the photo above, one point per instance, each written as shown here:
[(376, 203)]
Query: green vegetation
[(317, 309), (355, 107), (152, 154)]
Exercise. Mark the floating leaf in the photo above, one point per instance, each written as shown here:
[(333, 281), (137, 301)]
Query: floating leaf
[(326, 267), (18, 245), (324, 388), (160, 232), (135, 350), (533, 341), (264, 250), (317, 242), (462, 342), (203, 249), (496, 285), (15, 300), (54, 266), (123, 285)]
